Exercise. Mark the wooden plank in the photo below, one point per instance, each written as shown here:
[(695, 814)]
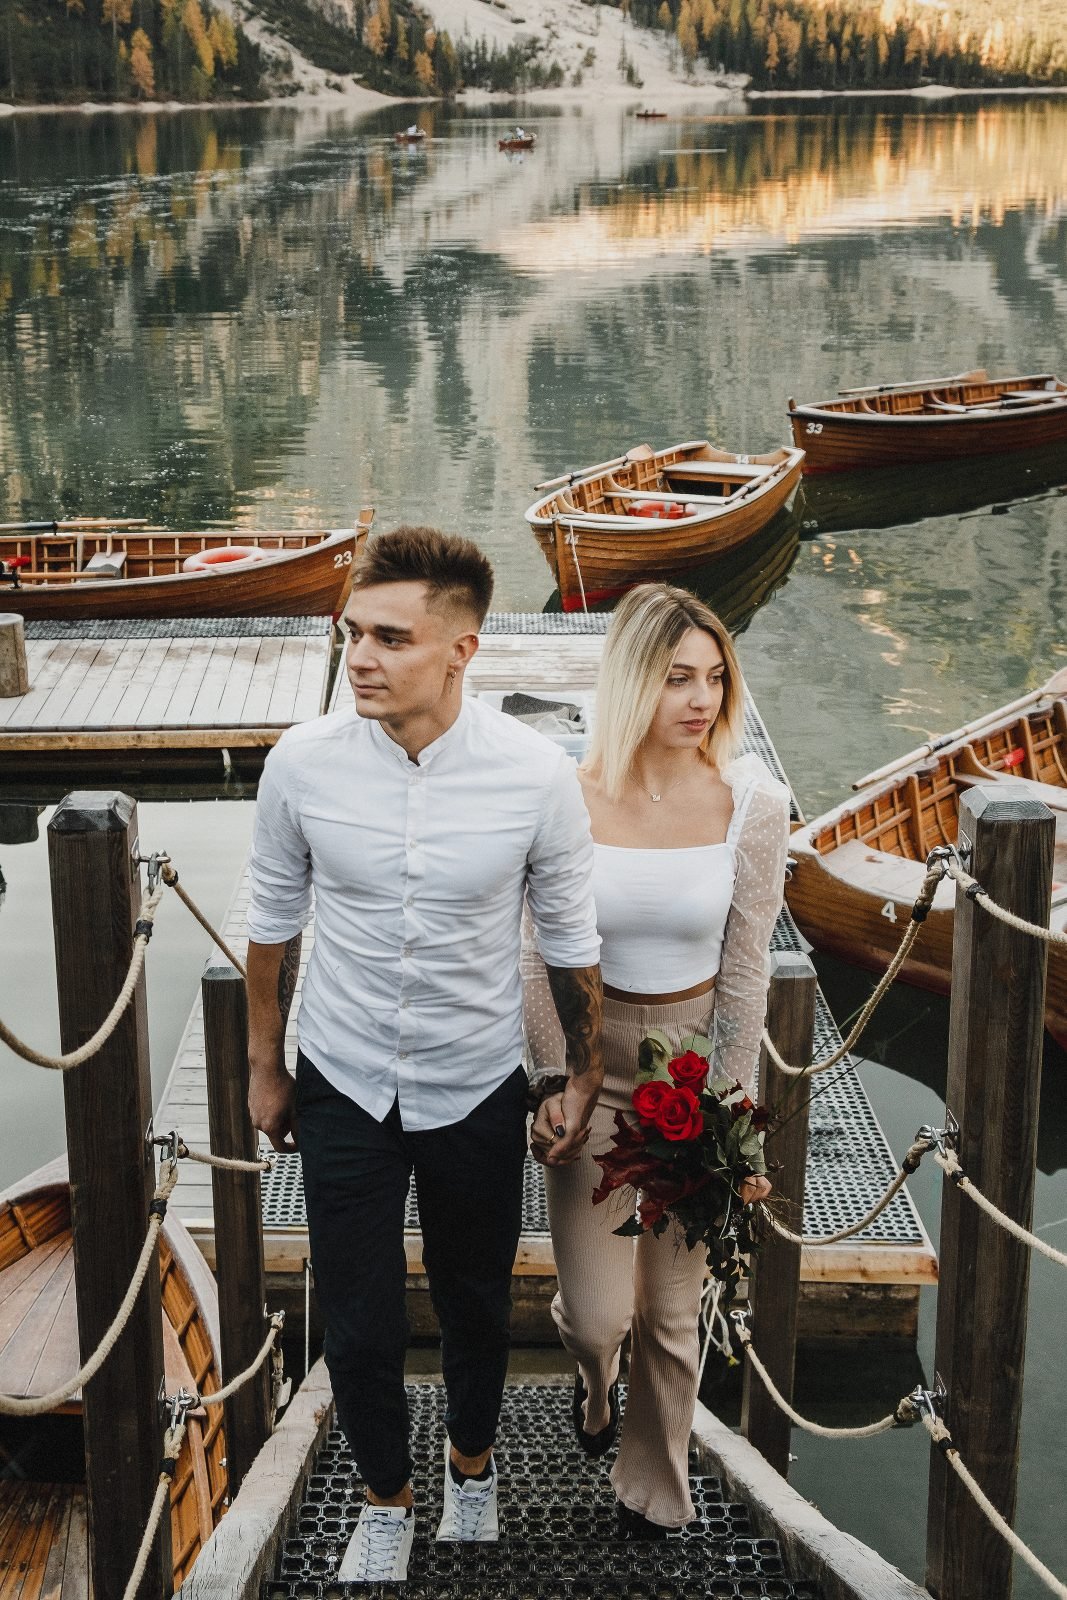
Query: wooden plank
[(23, 1350), (38, 654), (19, 1538), (50, 1521), (169, 671), (143, 739), (23, 710), (18, 1307), (311, 685), (15, 1275), (262, 685), (56, 1563), (60, 1355), (81, 706), (131, 705), (54, 704), (231, 702), (204, 710), (188, 685), (121, 676), (286, 682)]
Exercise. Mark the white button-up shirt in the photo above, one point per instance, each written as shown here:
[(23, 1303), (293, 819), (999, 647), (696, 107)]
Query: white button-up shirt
[(418, 872)]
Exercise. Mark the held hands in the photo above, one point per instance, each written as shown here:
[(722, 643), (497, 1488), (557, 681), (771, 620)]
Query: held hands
[(272, 1105), (561, 1127), (754, 1188)]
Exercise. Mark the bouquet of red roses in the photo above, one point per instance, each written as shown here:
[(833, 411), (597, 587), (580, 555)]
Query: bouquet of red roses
[(695, 1140)]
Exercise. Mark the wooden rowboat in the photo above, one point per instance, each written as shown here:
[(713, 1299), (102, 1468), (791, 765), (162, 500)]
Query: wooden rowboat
[(525, 142), (859, 867), (649, 514), (94, 571), (39, 1350), (410, 136), (650, 116), (907, 423)]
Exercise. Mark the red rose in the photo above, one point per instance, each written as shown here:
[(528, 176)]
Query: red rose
[(690, 1070), (648, 1098), (679, 1116)]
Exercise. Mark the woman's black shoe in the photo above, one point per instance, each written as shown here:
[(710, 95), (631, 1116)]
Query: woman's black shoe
[(595, 1444), (632, 1525)]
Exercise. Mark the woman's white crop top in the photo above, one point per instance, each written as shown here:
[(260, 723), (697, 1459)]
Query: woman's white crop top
[(661, 914), (749, 868)]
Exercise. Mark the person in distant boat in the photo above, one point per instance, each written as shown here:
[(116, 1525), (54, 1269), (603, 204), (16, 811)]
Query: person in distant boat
[(689, 869), (420, 820)]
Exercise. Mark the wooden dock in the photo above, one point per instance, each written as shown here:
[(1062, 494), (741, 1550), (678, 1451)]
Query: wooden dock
[(159, 690), (868, 1285)]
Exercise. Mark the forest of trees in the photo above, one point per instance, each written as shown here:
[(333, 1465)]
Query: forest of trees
[(53, 51), (64, 50), (858, 44)]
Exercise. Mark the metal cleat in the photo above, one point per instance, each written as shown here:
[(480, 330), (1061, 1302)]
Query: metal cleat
[(942, 1139)]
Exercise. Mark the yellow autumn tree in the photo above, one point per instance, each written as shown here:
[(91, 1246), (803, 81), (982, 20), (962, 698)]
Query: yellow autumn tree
[(193, 23), (376, 38), (688, 42), (423, 70), (770, 60), (141, 69), (664, 18), (116, 12), (222, 37)]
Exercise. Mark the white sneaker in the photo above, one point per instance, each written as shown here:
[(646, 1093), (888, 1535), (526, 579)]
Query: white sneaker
[(470, 1507), (379, 1549)]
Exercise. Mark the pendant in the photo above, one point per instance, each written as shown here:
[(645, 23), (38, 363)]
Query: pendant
[(655, 798)]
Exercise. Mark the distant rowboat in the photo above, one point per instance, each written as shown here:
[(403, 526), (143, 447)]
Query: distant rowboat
[(410, 136), (907, 423), (650, 116), (517, 141), (648, 514), (859, 867), (94, 569)]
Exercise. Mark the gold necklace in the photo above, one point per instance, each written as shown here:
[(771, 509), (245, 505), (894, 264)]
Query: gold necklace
[(656, 798)]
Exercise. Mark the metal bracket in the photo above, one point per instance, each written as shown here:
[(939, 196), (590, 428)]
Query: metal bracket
[(167, 1142), (942, 1139), (154, 862), (930, 1402)]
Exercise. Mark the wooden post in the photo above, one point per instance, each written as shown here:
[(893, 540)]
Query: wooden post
[(775, 1286), (14, 676), (238, 1216), (994, 1073), (92, 841)]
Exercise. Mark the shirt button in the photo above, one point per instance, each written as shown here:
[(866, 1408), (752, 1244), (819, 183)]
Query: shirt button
[(402, 1055), (409, 900), (404, 1004), (406, 950)]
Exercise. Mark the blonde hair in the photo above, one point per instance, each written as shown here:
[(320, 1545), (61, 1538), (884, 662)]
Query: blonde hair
[(649, 624)]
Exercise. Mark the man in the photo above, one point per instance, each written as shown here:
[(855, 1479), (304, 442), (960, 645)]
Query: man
[(420, 820)]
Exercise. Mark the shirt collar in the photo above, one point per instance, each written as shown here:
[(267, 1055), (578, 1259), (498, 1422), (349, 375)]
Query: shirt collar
[(432, 751)]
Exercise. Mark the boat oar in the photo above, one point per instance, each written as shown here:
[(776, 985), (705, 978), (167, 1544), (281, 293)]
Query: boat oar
[(75, 525), (1055, 686)]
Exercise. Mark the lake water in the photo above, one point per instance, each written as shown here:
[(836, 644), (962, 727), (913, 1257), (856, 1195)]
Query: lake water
[(272, 318)]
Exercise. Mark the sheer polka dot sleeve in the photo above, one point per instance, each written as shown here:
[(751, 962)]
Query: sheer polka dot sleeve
[(546, 1049), (761, 844)]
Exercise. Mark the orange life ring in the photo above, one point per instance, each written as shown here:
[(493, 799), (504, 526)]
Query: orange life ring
[(218, 556), (663, 510)]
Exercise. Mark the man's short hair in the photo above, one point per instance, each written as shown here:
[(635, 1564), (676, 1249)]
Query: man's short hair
[(454, 570)]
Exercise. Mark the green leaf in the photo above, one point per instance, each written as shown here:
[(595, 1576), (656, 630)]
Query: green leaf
[(653, 1054), (699, 1043), (630, 1229)]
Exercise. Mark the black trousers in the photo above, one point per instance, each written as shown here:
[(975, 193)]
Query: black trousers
[(468, 1178)]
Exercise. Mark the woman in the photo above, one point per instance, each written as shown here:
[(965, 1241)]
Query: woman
[(689, 847)]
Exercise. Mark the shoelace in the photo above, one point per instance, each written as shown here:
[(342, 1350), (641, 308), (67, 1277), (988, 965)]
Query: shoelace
[(382, 1537), (473, 1504)]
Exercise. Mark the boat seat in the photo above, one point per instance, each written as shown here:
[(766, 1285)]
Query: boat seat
[(105, 565), (878, 872), (949, 405)]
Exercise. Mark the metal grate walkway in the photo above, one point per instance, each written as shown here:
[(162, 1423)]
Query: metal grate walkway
[(557, 1523)]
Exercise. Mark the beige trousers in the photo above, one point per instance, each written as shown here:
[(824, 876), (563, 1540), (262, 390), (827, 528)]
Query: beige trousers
[(647, 1287)]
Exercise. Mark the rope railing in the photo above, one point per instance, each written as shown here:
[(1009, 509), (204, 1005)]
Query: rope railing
[(910, 1164), (935, 870), (974, 891), (950, 1165), (160, 873), (919, 1406), (75, 1058)]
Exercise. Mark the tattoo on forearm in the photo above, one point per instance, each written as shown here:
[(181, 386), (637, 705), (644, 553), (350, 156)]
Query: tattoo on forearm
[(578, 994), (287, 975)]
